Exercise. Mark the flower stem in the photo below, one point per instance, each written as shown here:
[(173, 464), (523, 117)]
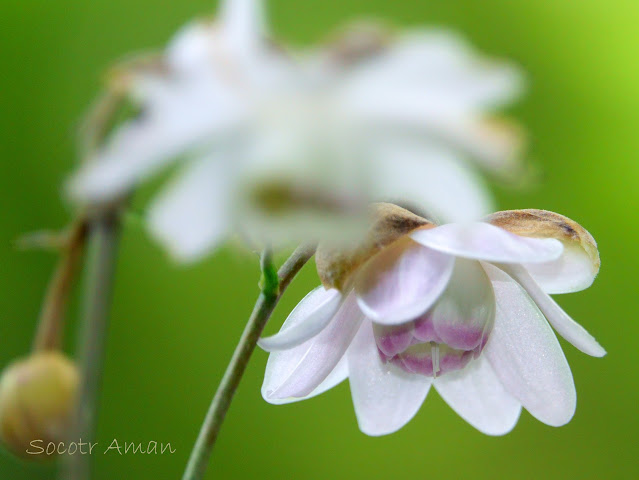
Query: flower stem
[(103, 237), (52, 316), (272, 286)]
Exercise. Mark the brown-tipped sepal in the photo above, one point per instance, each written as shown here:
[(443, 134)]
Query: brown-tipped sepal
[(578, 266), (37, 395), (388, 223)]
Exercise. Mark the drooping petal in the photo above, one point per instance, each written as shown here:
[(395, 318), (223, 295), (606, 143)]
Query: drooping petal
[(526, 355), (482, 241), (401, 282), (477, 395), (299, 371), (439, 182), (385, 397), (275, 366), (307, 319), (577, 267), (465, 312), (560, 320), (281, 364), (191, 215)]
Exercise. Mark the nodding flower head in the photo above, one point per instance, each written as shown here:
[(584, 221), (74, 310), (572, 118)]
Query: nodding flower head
[(462, 307)]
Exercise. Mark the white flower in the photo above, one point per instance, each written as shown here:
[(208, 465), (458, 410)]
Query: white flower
[(462, 307), (197, 107), (425, 97), (287, 148)]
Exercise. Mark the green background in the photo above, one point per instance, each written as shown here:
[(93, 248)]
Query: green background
[(174, 328)]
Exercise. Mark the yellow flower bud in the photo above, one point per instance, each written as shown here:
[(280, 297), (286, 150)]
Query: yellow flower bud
[(37, 396)]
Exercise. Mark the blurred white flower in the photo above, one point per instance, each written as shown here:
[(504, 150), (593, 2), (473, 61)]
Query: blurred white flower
[(195, 107), (463, 307), (287, 148), (424, 98)]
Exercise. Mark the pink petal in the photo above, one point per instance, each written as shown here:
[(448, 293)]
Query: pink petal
[(465, 312), (401, 282)]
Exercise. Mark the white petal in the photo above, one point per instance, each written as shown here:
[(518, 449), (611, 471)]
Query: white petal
[(273, 366), (526, 355), (429, 73), (572, 272), (299, 371), (401, 282), (482, 241), (307, 319), (192, 215), (477, 395), (385, 397), (179, 119), (190, 49), (560, 320), (243, 21), (281, 364), (434, 179)]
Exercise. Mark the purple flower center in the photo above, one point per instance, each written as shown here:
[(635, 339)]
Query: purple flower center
[(430, 349)]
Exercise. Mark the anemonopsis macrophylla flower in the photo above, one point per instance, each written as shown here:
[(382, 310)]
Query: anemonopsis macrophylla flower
[(285, 146), (208, 103), (462, 307), (428, 100)]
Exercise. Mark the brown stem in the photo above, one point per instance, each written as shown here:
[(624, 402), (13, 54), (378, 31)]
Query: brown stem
[(52, 316)]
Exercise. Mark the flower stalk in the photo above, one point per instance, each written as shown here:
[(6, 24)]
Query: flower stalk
[(102, 236), (52, 316), (272, 285), (103, 242)]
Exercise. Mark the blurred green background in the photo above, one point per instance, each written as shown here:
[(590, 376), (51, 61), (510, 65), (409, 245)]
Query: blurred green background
[(173, 329)]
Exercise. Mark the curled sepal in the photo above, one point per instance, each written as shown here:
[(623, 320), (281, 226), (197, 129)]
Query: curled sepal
[(575, 269)]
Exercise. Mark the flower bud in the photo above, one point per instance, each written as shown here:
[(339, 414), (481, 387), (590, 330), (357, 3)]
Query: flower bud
[(37, 395)]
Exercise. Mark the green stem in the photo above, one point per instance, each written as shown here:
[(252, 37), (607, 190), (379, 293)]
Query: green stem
[(273, 286), (103, 241)]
